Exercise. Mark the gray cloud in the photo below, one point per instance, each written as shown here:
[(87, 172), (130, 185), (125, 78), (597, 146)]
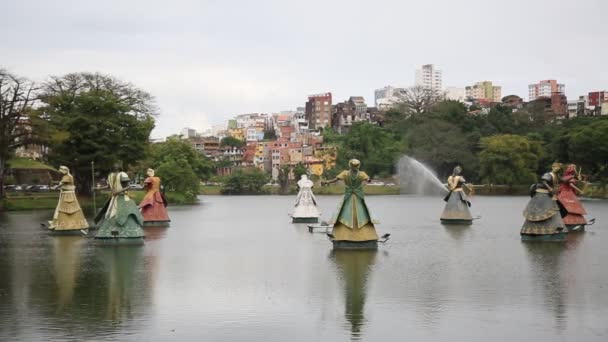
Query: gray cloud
[(208, 60)]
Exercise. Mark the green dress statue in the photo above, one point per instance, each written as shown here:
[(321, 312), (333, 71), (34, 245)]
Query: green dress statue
[(120, 218), (353, 221)]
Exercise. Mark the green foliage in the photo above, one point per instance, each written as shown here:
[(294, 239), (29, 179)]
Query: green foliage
[(245, 182), (509, 159), (299, 170), (270, 135), (442, 146), (179, 165), (96, 118), (376, 148), (232, 142), (587, 146)]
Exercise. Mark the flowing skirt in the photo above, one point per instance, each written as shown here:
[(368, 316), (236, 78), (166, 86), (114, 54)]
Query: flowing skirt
[(457, 207), (306, 205), (127, 221), (68, 214), (353, 221), (153, 208), (542, 216), (574, 208)]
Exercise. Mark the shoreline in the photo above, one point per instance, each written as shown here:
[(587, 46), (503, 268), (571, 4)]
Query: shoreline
[(48, 200)]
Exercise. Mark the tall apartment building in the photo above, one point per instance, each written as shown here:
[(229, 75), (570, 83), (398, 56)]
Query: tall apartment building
[(484, 91), (429, 77), (545, 88), (318, 110)]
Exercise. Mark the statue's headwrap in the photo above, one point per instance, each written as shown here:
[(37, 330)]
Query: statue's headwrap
[(354, 163)]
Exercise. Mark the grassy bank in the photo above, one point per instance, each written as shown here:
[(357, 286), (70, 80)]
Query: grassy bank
[(48, 200), (321, 190)]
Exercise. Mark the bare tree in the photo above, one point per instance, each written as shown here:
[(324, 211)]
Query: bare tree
[(17, 96), (418, 99)]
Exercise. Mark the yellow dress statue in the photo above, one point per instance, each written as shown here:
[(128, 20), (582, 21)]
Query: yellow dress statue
[(68, 216)]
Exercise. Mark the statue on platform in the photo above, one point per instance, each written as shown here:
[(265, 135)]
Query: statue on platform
[(568, 198), (353, 226), (68, 217), (120, 220), (457, 207), (154, 205), (306, 210), (543, 213)]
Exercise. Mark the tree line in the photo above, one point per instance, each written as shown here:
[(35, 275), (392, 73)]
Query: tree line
[(507, 145), (91, 117)]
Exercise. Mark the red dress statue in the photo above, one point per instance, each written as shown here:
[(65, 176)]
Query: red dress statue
[(567, 196), (153, 206)]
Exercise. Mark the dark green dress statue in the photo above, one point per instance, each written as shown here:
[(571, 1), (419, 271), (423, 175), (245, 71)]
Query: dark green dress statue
[(120, 220), (353, 222)]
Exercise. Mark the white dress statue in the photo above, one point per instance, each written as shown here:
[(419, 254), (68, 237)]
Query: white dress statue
[(306, 204)]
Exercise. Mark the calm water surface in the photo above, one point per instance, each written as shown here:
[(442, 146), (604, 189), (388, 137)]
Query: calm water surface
[(236, 269)]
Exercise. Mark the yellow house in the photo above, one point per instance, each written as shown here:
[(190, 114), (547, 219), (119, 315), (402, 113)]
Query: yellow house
[(315, 165), (328, 155), (237, 133)]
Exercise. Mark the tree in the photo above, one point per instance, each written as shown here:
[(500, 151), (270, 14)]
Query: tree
[(587, 146), (376, 148), (442, 146), (418, 99), (270, 135), (232, 142), (96, 118), (179, 165), (509, 159), (17, 96), (245, 181)]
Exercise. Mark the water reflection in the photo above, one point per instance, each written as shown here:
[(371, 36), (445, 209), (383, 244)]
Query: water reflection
[(121, 264), (545, 261), (66, 262), (155, 232), (354, 267), (457, 232)]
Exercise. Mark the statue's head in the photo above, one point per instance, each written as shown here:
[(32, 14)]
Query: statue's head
[(150, 173), (304, 177), (354, 164), (571, 169), (117, 166), (555, 167), (457, 171), (64, 170)]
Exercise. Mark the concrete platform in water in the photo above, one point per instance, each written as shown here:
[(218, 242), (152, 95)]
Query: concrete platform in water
[(119, 241), (557, 237), (458, 222), (68, 232), (573, 228), (343, 244), (304, 219), (157, 224)]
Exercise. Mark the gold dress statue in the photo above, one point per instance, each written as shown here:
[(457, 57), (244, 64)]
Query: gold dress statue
[(68, 215), (353, 222)]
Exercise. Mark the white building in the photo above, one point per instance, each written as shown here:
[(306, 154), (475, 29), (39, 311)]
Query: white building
[(429, 77), (455, 94), (383, 93), (299, 120)]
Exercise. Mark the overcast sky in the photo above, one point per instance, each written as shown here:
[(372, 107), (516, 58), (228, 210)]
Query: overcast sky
[(206, 61)]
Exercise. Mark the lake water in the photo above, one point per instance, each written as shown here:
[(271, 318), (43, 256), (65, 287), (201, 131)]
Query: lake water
[(237, 269)]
